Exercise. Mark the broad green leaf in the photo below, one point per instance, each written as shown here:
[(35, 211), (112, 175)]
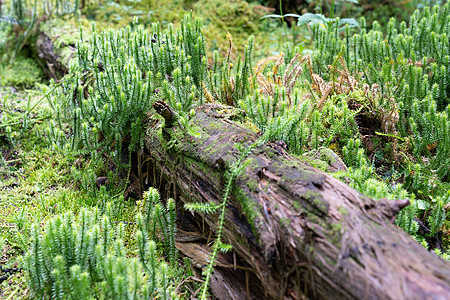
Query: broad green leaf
[(422, 205), (350, 21), (309, 17)]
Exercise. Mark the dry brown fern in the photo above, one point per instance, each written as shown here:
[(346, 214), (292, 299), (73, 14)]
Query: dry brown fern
[(268, 81)]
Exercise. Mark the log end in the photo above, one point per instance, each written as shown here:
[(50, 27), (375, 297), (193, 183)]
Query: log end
[(389, 208)]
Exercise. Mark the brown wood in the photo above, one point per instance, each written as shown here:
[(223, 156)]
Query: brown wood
[(49, 59), (312, 237)]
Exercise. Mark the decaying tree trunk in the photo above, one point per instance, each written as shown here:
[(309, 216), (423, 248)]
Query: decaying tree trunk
[(48, 58), (52, 55), (311, 235)]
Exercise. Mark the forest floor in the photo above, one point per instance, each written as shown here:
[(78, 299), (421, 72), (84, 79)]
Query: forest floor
[(38, 182)]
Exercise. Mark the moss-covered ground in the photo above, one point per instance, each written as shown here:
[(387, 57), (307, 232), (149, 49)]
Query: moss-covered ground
[(37, 182)]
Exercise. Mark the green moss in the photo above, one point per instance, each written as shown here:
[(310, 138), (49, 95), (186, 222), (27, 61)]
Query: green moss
[(237, 17), (252, 184), (215, 125), (296, 204), (328, 155), (271, 153), (336, 227), (248, 206), (285, 222), (316, 163), (204, 169), (323, 159), (214, 147), (22, 73), (318, 201), (248, 125), (343, 211)]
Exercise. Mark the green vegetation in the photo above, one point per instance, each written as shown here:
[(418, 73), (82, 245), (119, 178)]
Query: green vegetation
[(403, 74), (376, 96), (22, 73), (78, 259)]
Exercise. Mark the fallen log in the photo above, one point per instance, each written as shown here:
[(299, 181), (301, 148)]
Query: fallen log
[(54, 46), (48, 58), (296, 232)]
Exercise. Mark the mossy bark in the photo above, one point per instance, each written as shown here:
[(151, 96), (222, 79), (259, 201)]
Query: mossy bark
[(53, 46), (296, 231), (48, 58)]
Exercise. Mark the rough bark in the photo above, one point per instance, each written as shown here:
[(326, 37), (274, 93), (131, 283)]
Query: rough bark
[(296, 231), (48, 57), (51, 50)]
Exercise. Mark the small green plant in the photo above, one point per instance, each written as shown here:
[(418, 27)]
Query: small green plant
[(408, 64), (85, 257), (279, 109), (116, 78), (332, 23), (226, 83), (403, 72), (159, 219)]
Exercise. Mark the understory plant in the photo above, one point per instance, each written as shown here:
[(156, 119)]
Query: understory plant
[(404, 73), (381, 96), (408, 65), (84, 256), (119, 74)]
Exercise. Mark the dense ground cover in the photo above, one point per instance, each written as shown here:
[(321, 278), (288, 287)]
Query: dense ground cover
[(383, 109)]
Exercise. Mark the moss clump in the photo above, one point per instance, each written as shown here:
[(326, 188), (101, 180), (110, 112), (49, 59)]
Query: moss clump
[(285, 222), (316, 163), (324, 159), (249, 207), (343, 211), (252, 184), (22, 73), (237, 17)]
